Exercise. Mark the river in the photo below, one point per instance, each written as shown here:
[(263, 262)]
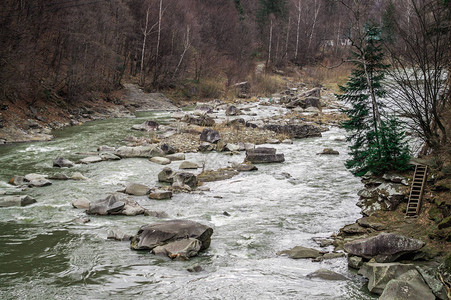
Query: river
[(43, 255)]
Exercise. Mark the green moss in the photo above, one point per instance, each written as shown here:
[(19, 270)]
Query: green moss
[(445, 223), (435, 214)]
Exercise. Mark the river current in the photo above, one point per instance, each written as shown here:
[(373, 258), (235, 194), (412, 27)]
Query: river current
[(44, 255)]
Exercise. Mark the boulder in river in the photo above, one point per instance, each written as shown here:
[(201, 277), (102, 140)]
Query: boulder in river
[(300, 252), (61, 162), (163, 233), (210, 135), (23, 200), (244, 167), (81, 203), (146, 126), (166, 175), (263, 155), (118, 235), (176, 156), (59, 176), (168, 149), (326, 275), (78, 176), (385, 247), (139, 151), (115, 205), (409, 285), (105, 148), (160, 160), (329, 151), (108, 156), (137, 189), (184, 180), (17, 180), (379, 274), (205, 147), (188, 165), (183, 249), (232, 111), (90, 160), (160, 195), (295, 131)]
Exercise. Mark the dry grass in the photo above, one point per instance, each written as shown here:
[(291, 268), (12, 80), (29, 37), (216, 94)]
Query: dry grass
[(331, 78)]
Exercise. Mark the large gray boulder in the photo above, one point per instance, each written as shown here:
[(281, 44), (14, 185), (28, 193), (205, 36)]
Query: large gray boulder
[(61, 162), (385, 247), (115, 205), (232, 111), (210, 135), (184, 249), (159, 234), (139, 151), (9, 201), (295, 131), (17, 180), (379, 274), (263, 155), (137, 189), (409, 285), (166, 175), (185, 179)]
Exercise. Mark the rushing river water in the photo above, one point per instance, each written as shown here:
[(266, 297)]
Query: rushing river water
[(43, 255)]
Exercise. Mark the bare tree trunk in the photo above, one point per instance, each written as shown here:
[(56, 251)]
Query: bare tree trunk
[(269, 48), (159, 33), (288, 37), (145, 31), (187, 45), (297, 31), (315, 18)]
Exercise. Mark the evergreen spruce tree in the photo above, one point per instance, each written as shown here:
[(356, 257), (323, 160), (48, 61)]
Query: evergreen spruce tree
[(377, 144)]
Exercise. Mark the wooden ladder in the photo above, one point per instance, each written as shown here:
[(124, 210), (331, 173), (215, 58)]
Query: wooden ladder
[(416, 191)]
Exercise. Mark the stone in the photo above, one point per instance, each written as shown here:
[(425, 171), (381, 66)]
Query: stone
[(300, 252), (287, 141), (81, 203), (81, 220), (203, 120), (209, 135), (61, 162), (205, 147), (34, 177), (160, 160), (17, 180), (90, 160), (354, 229), (233, 147), (78, 176), (157, 234), (313, 102), (188, 165), (355, 262), (385, 247), (264, 155), (272, 141), (232, 111), (176, 156), (168, 149), (118, 235), (105, 148), (184, 178), (332, 255), (139, 151), (39, 183), (184, 248), (108, 156), (395, 179), (137, 189), (146, 126), (115, 205), (9, 201), (156, 214), (367, 223), (379, 274), (244, 167), (160, 195), (59, 176), (166, 175), (216, 175), (430, 277), (326, 275), (409, 285), (329, 151), (295, 131), (195, 268)]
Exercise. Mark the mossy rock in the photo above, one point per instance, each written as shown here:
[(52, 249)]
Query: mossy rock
[(435, 214), (443, 185)]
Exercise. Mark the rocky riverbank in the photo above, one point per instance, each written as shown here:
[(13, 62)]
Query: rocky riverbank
[(403, 258)]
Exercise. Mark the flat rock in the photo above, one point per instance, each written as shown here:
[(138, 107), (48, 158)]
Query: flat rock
[(90, 160), (105, 148), (379, 274), (329, 151), (326, 275), (244, 167), (409, 285), (78, 176), (300, 252), (354, 229), (61, 162), (146, 126), (118, 235), (160, 160), (137, 189), (367, 223), (385, 247), (158, 234), (108, 156), (23, 200), (264, 155), (139, 151), (188, 165), (39, 183), (115, 205), (295, 131), (34, 177), (59, 176), (160, 195), (176, 156)]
